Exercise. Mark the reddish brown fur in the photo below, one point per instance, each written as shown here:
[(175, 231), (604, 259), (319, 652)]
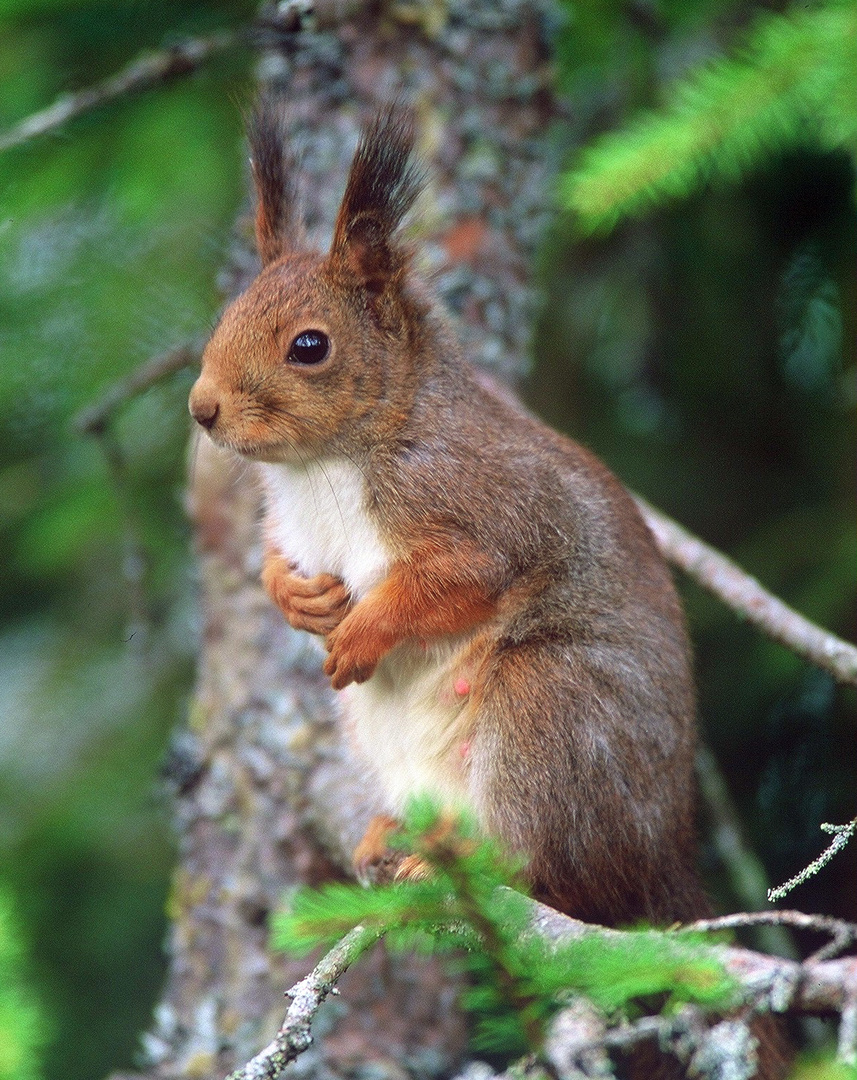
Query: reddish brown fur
[(435, 590), (580, 735), (373, 853)]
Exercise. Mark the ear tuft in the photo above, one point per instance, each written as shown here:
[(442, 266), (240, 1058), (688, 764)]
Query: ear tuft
[(278, 228), (383, 185)]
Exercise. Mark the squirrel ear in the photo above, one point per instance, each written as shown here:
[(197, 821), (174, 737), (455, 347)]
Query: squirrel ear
[(383, 185), (278, 229)]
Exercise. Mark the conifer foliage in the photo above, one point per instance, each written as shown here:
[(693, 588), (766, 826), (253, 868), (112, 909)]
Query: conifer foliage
[(793, 82), (472, 908)]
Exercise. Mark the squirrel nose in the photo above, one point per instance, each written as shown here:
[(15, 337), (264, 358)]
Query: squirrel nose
[(203, 408)]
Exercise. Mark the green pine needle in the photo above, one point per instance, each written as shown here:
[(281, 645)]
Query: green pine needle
[(793, 83), (319, 917), (614, 970)]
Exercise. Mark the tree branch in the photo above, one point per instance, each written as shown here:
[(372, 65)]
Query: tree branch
[(142, 73), (152, 69), (94, 419), (810, 986), (579, 1037), (843, 934), (722, 577)]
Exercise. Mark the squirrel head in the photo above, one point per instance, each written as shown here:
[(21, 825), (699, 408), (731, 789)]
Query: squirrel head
[(320, 350)]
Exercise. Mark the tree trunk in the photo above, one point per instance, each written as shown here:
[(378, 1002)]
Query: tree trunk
[(267, 799)]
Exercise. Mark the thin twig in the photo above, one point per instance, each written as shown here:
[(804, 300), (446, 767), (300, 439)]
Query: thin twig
[(722, 577), (843, 934), (294, 1035), (841, 835), (152, 69), (143, 72), (95, 418)]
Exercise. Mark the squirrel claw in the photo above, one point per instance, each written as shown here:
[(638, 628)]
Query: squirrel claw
[(376, 863), (353, 655), (373, 860), (412, 868), (343, 671)]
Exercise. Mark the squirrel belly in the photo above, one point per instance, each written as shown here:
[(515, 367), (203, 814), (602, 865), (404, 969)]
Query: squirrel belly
[(408, 724)]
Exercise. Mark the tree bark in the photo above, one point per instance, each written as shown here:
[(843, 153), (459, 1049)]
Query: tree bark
[(266, 799)]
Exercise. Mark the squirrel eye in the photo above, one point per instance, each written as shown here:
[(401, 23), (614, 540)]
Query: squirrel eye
[(310, 347)]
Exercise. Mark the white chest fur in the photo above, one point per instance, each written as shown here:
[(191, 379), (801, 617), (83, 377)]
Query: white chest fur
[(316, 515), (406, 721)]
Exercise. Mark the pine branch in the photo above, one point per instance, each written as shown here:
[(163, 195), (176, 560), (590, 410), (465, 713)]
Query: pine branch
[(812, 987), (793, 83)]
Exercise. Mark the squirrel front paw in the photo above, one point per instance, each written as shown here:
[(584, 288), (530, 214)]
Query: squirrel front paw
[(317, 604), (352, 656)]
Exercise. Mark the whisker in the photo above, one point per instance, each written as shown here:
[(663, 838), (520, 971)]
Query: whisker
[(308, 474), (279, 410), (338, 507), (277, 413)]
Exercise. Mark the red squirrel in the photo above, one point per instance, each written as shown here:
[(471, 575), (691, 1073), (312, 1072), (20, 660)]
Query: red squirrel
[(501, 628)]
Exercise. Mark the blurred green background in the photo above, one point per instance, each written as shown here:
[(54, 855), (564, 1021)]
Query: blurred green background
[(704, 350)]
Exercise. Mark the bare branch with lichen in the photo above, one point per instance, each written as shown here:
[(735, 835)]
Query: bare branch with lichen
[(843, 934), (294, 1035), (741, 592), (841, 835)]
